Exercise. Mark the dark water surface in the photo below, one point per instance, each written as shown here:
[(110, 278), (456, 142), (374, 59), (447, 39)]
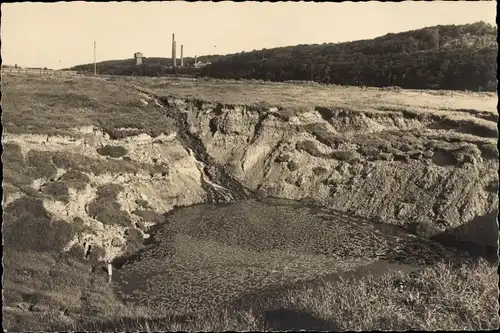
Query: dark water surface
[(207, 255)]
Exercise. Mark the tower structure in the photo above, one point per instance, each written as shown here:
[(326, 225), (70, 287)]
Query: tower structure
[(182, 55), (174, 60), (138, 58)]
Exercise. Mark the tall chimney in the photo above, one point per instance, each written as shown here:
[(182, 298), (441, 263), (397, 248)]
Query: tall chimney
[(175, 54), (174, 62), (182, 55)]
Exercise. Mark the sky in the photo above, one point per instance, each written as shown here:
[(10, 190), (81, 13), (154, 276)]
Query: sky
[(61, 35)]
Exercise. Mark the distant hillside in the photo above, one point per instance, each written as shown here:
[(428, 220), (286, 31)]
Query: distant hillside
[(455, 57), (150, 67), (441, 57)]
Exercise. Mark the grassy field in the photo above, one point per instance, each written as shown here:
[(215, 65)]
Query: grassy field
[(46, 288), (311, 95), (438, 298), (59, 104), (82, 97)]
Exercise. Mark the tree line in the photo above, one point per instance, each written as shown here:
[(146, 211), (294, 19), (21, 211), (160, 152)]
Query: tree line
[(443, 57)]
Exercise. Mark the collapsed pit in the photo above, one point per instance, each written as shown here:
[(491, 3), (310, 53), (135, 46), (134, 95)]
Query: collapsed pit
[(429, 170)]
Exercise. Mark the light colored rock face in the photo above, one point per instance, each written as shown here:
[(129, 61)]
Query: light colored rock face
[(180, 187), (413, 190), (376, 165)]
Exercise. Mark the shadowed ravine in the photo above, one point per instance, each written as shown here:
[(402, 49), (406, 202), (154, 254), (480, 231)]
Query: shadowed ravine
[(233, 254)]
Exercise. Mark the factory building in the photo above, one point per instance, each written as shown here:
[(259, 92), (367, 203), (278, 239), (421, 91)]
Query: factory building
[(138, 58)]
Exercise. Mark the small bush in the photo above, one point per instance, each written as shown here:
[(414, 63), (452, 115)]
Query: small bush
[(135, 241), (81, 227), (293, 166), (105, 208), (76, 179), (39, 165), (14, 165), (57, 190), (112, 151), (109, 191), (12, 155), (348, 156), (318, 171), (68, 161), (27, 226)]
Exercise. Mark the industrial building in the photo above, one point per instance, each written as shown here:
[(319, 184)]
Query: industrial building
[(138, 58)]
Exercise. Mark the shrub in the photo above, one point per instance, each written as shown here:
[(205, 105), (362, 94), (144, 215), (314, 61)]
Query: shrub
[(76, 179), (39, 165), (134, 241), (293, 166), (67, 161), (318, 171), (348, 156), (12, 155), (57, 190), (14, 165), (104, 207), (112, 151), (27, 226)]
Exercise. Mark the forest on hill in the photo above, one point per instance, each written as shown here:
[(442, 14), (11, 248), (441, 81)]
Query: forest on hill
[(442, 57), (455, 57)]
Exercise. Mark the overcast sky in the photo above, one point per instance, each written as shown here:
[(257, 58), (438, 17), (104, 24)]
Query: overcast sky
[(60, 35)]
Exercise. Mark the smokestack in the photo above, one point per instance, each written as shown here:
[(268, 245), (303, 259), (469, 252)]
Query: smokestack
[(175, 54), (182, 55), (174, 62), (195, 59)]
